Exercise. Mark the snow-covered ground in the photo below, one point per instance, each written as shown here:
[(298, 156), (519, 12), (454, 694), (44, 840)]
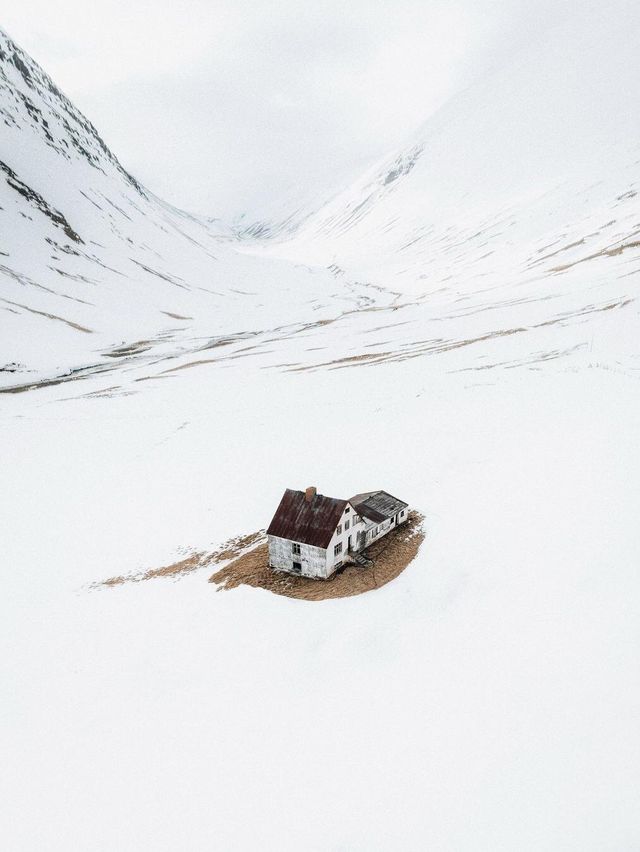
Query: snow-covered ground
[(487, 699)]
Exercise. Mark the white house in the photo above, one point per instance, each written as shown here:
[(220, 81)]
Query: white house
[(312, 535)]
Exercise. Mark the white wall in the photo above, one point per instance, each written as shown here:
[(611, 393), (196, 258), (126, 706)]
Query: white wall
[(343, 537), (312, 559), (385, 527)]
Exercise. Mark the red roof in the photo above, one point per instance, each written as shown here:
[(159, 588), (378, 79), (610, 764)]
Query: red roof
[(307, 521)]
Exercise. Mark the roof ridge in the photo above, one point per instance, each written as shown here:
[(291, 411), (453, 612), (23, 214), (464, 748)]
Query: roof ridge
[(310, 522)]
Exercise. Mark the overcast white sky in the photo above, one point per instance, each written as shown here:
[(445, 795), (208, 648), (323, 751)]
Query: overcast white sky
[(226, 106)]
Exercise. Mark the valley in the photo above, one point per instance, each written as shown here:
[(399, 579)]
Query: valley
[(459, 326)]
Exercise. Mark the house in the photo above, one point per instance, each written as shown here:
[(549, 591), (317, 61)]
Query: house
[(312, 535)]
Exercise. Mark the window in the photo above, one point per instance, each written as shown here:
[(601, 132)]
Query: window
[(297, 567), (339, 530), (346, 524), (347, 510), (337, 549), (402, 514), (356, 519), (295, 548)]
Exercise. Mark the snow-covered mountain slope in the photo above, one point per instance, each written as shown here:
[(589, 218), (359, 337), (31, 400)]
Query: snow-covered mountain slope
[(511, 215), (95, 268), (523, 189), (521, 155)]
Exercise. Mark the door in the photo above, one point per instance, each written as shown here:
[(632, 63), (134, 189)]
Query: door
[(349, 544)]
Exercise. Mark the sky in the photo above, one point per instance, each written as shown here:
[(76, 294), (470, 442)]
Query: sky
[(231, 108)]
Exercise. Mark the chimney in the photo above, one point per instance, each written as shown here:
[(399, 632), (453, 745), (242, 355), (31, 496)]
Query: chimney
[(310, 493)]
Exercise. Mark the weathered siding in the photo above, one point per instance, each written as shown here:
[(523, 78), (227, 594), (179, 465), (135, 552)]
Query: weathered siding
[(320, 563), (376, 531), (342, 537), (312, 559)]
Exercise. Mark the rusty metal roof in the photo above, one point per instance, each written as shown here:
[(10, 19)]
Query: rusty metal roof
[(308, 522), (377, 506)]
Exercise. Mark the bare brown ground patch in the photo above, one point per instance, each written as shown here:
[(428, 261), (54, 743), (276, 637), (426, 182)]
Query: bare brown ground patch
[(134, 348), (175, 316), (231, 549), (420, 348), (191, 364), (612, 251), (71, 324), (390, 555)]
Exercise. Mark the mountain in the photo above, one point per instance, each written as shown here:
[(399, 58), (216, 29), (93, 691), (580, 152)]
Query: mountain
[(94, 268), (522, 189), (539, 145), (512, 212)]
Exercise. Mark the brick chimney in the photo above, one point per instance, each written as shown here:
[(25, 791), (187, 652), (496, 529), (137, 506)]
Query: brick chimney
[(310, 493)]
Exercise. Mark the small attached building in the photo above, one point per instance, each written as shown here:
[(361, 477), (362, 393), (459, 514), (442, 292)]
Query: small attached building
[(380, 513), (312, 535)]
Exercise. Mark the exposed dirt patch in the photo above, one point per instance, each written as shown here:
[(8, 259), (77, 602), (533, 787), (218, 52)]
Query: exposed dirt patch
[(135, 348), (191, 364), (72, 375), (231, 549), (35, 199), (71, 324), (612, 251), (390, 556), (172, 279), (350, 359), (175, 316), (420, 348)]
